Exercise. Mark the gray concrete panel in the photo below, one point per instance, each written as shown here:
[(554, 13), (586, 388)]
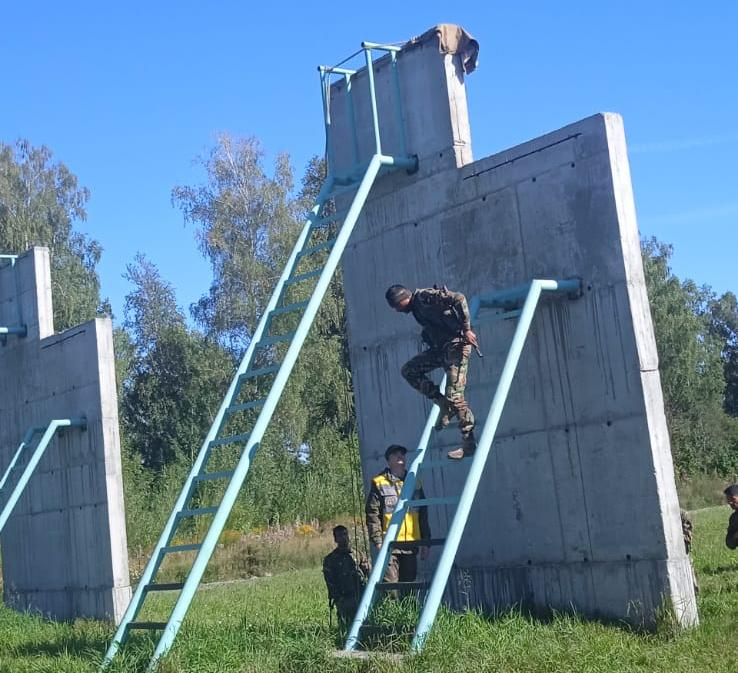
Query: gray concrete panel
[(578, 506), (64, 548)]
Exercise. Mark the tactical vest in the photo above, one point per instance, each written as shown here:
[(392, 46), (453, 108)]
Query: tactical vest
[(390, 492)]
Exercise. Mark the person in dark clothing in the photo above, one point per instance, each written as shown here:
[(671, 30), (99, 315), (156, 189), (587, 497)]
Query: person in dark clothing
[(345, 572), (444, 317), (731, 497)]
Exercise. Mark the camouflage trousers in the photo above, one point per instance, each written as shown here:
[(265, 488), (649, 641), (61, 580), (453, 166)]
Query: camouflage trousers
[(346, 607), (454, 360)]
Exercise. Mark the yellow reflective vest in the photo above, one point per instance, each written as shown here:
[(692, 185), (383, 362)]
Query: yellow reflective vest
[(381, 503)]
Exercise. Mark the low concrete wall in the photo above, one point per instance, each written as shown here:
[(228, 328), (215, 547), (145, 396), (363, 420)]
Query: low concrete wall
[(64, 548)]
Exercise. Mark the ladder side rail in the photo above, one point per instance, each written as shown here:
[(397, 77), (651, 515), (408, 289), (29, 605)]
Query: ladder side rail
[(234, 486), (398, 516), (33, 462), (24, 442), (165, 537), (453, 538)]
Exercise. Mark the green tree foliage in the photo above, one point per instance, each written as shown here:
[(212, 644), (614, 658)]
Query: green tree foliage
[(247, 222), (40, 202), (690, 328), (175, 376), (723, 315)]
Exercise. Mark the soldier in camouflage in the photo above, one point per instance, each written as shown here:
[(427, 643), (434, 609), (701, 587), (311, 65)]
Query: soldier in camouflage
[(345, 572), (444, 317)]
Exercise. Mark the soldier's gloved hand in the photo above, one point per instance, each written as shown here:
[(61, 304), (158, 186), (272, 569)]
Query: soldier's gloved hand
[(471, 338)]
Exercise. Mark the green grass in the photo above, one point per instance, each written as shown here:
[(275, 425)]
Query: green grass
[(280, 624)]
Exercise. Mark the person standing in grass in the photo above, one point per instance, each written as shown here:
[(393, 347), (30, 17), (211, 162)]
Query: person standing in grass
[(345, 572), (380, 505), (731, 497)]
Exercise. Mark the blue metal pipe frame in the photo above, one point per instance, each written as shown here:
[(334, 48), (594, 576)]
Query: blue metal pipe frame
[(453, 538), (377, 162), (530, 292), (48, 433)]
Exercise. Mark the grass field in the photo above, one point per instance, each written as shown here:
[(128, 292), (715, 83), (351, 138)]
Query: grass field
[(280, 624)]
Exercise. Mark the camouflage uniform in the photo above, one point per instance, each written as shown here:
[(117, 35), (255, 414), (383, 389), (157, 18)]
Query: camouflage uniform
[(380, 504), (345, 572), (731, 537), (444, 317), (687, 534)]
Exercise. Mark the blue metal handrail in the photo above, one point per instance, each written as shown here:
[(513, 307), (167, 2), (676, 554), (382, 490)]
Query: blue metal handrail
[(48, 432)]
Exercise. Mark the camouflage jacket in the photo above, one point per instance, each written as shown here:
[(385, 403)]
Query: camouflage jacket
[(731, 537), (443, 315), (380, 504), (687, 530), (345, 572)]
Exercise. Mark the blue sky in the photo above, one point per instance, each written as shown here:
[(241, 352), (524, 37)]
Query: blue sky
[(128, 95)]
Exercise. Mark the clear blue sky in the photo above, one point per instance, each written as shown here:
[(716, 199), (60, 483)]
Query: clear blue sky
[(128, 95)]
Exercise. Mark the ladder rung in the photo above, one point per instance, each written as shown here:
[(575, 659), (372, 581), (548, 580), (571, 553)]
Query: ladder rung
[(147, 625), (343, 189), (323, 221), (175, 549), (394, 586), (290, 308), (253, 373), (212, 476), (424, 502), (412, 544), (233, 439), (254, 404), (270, 340), (200, 511), (429, 464), (303, 276), (316, 248), (171, 586)]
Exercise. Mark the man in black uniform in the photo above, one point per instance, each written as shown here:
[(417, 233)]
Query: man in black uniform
[(444, 317)]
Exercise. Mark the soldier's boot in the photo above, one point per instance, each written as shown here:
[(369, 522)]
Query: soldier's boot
[(448, 411), (467, 448)]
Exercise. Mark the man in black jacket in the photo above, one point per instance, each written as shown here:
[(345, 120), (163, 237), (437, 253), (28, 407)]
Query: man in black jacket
[(731, 497)]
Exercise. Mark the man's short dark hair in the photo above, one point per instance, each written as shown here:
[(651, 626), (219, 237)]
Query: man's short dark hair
[(396, 293), (731, 491), (338, 529), (394, 448)]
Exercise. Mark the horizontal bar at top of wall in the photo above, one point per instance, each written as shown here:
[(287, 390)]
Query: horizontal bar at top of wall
[(20, 331), (381, 47)]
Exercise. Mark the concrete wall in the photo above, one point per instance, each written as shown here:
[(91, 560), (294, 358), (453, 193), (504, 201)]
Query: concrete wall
[(64, 548), (577, 507)]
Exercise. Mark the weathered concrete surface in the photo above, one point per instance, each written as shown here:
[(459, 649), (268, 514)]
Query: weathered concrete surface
[(64, 548), (578, 507)]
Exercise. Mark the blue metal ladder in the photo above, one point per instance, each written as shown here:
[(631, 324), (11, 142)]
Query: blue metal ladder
[(9, 496), (244, 415), (18, 329), (507, 304)]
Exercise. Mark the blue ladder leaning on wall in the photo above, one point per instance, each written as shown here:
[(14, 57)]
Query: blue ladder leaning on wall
[(508, 305), (251, 399), (9, 494)]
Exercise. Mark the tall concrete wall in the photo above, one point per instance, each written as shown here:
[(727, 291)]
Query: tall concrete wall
[(64, 548), (577, 507)]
